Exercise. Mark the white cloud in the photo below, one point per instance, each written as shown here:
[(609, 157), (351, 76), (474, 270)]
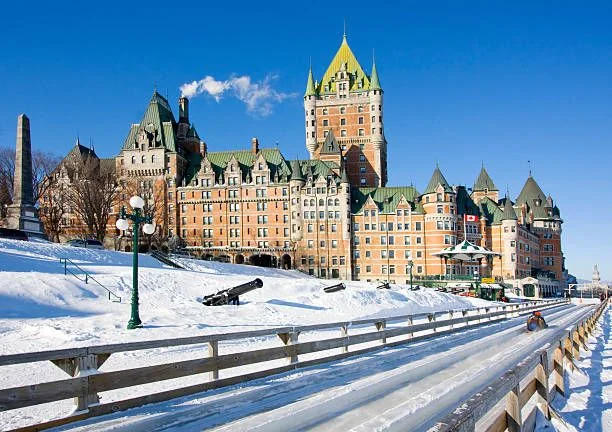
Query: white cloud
[(259, 96)]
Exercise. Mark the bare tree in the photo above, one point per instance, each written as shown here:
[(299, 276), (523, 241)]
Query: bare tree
[(42, 165), (92, 193), (53, 208), (153, 193)]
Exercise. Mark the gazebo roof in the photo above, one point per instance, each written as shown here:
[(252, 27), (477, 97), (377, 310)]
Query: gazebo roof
[(465, 251)]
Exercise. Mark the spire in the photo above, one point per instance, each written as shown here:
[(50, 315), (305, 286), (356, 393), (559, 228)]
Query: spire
[(344, 176), (509, 213), (78, 142), (296, 170), (374, 82), (484, 182), (310, 88)]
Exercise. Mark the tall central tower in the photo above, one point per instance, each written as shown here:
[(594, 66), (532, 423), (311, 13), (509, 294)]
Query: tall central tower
[(348, 103)]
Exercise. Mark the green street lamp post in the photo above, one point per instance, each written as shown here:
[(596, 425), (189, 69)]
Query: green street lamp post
[(137, 218), (410, 264)]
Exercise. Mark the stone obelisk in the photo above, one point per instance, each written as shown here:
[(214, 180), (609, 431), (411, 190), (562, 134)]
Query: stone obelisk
[(22, 214)]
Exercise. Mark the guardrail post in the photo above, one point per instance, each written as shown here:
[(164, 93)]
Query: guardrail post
[(83, 366), (450, 315), (213, 352), (290, 339), (576, 344), (344, 334), (465, 315), (541, 375), (487, 310), (567, 347), (432, 318), (559, 370), (514, 419), (381, 326), (410, 322)]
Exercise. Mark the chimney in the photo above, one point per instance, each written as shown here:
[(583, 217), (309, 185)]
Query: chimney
[(254, 145), (203, 148), (183, 110)]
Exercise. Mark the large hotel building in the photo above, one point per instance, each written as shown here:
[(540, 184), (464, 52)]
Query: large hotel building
[(332, 215)]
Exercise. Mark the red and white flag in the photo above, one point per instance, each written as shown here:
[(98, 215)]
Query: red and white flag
[(471, 218)]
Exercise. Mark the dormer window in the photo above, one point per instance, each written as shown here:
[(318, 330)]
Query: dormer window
[(439, 196), (232, 168), (342, 110), (325, 109), (260, 166)]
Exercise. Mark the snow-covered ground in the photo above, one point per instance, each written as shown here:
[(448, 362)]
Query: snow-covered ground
[(588, 405), (41, 308)]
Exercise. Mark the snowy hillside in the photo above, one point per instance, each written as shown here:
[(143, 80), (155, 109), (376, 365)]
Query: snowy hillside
[(41, 308)]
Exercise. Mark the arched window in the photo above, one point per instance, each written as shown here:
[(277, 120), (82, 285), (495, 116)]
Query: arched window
[(133, 159), (312, 202), (330, 202), (153, 158), (337, 201), (143, 159), (305, 203), (321, 202), (312, 112)]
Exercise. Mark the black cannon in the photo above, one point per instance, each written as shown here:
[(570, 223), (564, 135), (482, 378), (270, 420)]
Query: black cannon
[(384, 285), (334, 288), (231, 295)]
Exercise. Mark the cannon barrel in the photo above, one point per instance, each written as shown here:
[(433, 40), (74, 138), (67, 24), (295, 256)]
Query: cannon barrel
[(228, 295), (384, 285), (334, 288), (245, 288)]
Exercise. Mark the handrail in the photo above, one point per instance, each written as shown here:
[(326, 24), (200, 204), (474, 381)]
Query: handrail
[(164, 258), (115, 298)]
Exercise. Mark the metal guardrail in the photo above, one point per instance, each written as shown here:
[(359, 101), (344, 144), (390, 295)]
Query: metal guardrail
[(164, 258), (111, 295)]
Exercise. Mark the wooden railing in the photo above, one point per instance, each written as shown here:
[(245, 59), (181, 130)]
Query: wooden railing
[(86, 381), (517, 387)]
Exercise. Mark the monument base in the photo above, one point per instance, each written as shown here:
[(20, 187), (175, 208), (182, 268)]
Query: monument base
[(25, 218)]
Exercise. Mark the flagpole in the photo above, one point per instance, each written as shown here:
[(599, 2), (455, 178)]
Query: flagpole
[(465, 227)]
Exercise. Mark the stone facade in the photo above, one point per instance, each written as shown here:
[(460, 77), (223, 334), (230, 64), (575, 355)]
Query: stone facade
[(21, 214)]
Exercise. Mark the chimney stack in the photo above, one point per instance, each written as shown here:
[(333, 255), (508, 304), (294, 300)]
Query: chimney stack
[(254, 145), (203, 148), (183, 110)]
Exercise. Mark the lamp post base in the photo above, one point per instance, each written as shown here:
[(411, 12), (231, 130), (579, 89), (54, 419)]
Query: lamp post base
[(133, 324)]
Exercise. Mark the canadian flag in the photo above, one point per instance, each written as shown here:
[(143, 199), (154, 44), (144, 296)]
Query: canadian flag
[(471, 218)]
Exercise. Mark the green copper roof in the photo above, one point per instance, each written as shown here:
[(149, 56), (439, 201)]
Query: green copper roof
[(374, 83), (530, 192), (490, 210), (330, 146), (386, 198), (344, 58), (157, 120), (509, 212), (310, 88), (484, 182), (317, 168), (465, 204), (296, 170), (437, 179), (246, 159)]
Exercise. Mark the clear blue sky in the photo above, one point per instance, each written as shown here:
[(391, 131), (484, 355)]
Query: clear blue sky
[(495, 83)]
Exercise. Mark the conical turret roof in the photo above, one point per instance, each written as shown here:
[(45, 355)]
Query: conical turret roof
[(344, 176), (296, 170), (509, 213), (310, 87), (484, 181), (374, 82), (530, 192), (437, 179)]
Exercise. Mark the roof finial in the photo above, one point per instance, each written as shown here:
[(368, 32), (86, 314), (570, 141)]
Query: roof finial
[(344, 33), (529, 163)]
